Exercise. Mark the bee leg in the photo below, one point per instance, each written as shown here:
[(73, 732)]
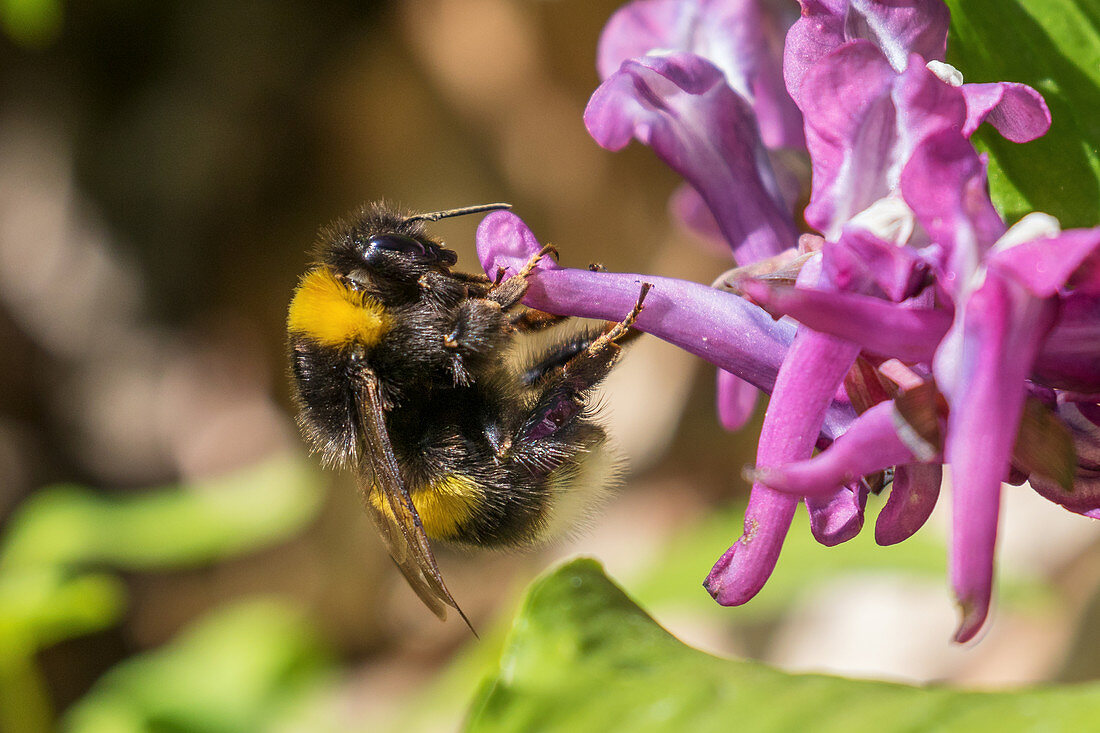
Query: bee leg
[(534, 320), (478, 329), (597, 359), (570, 372), (512, 290), (618, 330), (554, 359), (442, 289), (470, 277), (615, 335)]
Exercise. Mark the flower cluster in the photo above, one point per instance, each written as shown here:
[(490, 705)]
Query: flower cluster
[(917, 328)]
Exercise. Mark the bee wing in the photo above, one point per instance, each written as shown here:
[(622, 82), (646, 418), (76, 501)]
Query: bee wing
[(395, 515)]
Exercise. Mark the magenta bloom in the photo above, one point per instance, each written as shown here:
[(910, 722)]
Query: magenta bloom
[(744, 39), (991, 302), (700, 82), (681, 106), (921, 331), (720, 327)]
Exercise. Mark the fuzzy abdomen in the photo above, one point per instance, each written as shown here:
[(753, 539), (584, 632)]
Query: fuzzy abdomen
[(327, 409)]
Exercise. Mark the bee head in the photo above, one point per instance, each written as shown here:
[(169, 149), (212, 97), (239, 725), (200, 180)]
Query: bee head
[(380, 243)]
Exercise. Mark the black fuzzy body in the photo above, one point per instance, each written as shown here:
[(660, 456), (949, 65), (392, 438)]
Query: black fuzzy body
[(456, 403)]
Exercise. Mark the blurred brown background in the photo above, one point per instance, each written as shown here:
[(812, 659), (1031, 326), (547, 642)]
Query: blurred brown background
[(164, 168)]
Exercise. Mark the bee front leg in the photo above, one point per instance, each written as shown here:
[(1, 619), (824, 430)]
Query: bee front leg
[(512, 290), (442, 290), (478, 329), (480, 324)]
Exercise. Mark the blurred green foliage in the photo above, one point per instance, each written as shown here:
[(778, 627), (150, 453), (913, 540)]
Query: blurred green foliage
[(31, 23), (161, 528), (60, 543), (443, 703), (675, 579), (1054, 46), (582, 656), (243, 668)]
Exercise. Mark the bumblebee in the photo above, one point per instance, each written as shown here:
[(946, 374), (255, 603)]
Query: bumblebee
[(403, 372)]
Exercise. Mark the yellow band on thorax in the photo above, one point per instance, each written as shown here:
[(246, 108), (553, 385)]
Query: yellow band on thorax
[(332, 314)]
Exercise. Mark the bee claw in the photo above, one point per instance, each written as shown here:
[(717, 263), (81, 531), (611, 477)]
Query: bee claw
[(509, 292), (547, 249), (617, 331)]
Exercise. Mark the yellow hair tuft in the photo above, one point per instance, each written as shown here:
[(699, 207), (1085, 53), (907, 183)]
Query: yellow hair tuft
[(443, 505), (332, 314)]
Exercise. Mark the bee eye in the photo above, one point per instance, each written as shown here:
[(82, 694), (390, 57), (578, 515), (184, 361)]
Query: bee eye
[(408, 247), (397, 243)]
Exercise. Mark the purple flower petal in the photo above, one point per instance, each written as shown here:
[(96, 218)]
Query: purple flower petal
[(860, 262), (718, 326), (1045, 265), (912, 498), (898, 29), (1089, 410), (1085, 497), (850, 124), (736, 400), (681, 107), (1070, 356), (944, 184), (804, 389), (878, 326), (641, 27), (1086, 278), (863, 121), (838, 518), (691, 210), (505, 244), (743, 38), (981, 368), (745, 567), (1017, 111), (871, 444)]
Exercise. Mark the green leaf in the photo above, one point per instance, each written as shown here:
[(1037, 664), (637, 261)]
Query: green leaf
[(583, 657), (178, 526), (47, 594), (240, 669), (44, 606), (40, 607), (1054, 46), (31, 23)]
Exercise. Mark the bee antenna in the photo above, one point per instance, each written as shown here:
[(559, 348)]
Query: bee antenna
[(437, 215)]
